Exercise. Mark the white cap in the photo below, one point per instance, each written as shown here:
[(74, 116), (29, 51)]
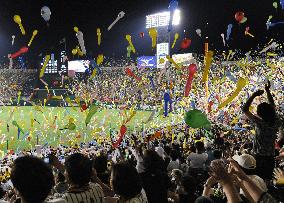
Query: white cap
[(246, 161)]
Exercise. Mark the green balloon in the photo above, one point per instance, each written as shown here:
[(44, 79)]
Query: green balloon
[(17, 125), (92, 110), (196, 119), (71, 126), (129, 49)]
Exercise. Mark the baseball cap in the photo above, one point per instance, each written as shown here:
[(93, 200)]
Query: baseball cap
[(246, 161)]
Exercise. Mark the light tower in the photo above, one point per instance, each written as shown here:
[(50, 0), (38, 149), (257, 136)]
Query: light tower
[(161, 21)]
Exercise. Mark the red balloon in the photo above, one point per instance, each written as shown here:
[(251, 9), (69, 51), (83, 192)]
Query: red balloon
[(20, 52), (84, 107), (185, 43), (192, 70), (123, 130), (239, 16), (129, 72), (210, 104), (142, 34)]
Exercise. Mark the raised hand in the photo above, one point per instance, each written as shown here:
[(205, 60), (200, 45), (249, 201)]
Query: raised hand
[(258, 93), (219, 172), (268, 85), (278, 176)]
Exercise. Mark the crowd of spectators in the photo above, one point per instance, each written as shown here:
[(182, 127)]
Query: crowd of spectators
[(239, 160), (226, 168), (13, 81)]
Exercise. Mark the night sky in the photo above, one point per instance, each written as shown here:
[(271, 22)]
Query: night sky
[(89, 15)]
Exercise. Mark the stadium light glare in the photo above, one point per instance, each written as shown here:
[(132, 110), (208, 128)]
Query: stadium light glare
[(162, 19), (176, 17)]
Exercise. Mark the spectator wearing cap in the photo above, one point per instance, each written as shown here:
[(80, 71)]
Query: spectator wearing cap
[(248, 165)]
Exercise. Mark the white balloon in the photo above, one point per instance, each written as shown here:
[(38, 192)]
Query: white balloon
[(119, 16), (13, 39), (80, 37), (45, 13), (198, 32)]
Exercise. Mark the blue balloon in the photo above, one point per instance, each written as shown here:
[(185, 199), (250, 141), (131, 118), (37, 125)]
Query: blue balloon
[(192, 103), (229, 30), (231, 77), (274, 24), (173, 5), (93, 63)]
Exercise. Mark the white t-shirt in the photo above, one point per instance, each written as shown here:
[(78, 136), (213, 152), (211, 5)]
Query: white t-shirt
[(197, 160), (258, 181)]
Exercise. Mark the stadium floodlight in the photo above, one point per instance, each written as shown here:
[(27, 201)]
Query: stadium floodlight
[(162, 19)]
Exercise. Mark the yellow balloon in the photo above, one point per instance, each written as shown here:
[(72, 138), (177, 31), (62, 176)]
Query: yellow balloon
[(240, 85), (128, 38), (175, 40), (100, 59), (80, 53), (153, 34), (76, 29), (161, 61), (208, 61), (17, 19), (74, 51), (99, 34), (31, 40), (71, 120), (47, 58), (172, 61)]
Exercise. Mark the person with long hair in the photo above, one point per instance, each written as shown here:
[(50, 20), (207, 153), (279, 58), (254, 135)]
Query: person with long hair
[(267, 126)]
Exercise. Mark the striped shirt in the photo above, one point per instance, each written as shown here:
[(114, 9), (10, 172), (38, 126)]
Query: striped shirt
[(140, 198), (93, 195)]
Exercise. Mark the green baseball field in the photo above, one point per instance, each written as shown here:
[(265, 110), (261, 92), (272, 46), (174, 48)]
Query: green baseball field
[(25, 127)]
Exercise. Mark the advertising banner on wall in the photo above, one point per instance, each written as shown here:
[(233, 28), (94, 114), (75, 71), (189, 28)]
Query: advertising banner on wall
[(147, 62), (162, 52), (183, 59)]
